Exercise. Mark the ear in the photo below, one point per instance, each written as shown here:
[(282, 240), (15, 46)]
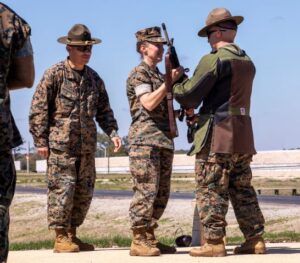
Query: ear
[(68, 48), (143, 49)]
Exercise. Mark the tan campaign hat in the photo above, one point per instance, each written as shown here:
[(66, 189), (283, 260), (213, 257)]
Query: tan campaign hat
[(79, 35), (151, 34), (216, 16)]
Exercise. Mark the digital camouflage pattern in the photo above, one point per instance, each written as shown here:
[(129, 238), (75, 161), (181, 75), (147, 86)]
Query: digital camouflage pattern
[(220, 178), (63, 109), (147, 127), (7, 190), (151, 169), (13, 33), (223, 142), (71, 183), (151, 34)]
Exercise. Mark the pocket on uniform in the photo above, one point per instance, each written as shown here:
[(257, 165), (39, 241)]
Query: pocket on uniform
[(200, 172), (67, 100), (139, 159), (58, 167)]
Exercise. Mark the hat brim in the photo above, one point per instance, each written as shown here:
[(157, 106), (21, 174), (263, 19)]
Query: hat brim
[(66, 41), (236, 19), (156, 40)]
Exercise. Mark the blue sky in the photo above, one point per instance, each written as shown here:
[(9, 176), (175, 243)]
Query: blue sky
[(269, 34)]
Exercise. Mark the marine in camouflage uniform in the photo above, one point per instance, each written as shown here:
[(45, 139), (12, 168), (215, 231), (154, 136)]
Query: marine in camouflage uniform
[(15, 49), (151, 148), (223, 142), (66, 101)]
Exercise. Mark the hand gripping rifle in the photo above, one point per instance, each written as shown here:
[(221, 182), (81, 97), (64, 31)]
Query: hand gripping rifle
[(171, 62)]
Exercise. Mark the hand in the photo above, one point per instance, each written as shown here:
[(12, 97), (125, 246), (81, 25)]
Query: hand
[(189, 112), (177, 73), (190, 116), (117, 143), (43, 151)]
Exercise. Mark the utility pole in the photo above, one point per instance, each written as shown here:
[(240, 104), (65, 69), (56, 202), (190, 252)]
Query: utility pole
[(27, 157), (107, 151)]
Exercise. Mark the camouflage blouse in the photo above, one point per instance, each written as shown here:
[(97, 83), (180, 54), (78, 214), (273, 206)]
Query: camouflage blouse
[(64, 106), (14, 32), (147, 127)]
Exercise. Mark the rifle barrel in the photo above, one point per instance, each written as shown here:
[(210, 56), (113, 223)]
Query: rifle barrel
[(166, 34)]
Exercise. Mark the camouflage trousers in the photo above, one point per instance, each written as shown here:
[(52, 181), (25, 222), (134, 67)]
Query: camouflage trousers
[(71, 183), (220, 177), (151, 169), (7, 190)]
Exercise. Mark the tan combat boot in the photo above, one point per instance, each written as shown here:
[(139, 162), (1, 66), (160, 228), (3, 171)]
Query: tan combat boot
[(252, 246), (82, 246), (140, 246), (164, 249), (212, 248), (62, 243)]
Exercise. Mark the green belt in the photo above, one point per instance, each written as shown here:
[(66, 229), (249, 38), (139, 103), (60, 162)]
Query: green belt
[(239, 111)]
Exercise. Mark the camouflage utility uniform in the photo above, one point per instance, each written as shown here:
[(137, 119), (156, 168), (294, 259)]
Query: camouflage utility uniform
[(63, 109), (14, 43), (151, 149), (223, 143)]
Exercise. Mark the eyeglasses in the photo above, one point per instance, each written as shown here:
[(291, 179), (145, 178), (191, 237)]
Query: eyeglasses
[(87, 48)]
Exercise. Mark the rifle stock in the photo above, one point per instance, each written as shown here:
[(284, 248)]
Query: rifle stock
[(168, 84), (172, 62)]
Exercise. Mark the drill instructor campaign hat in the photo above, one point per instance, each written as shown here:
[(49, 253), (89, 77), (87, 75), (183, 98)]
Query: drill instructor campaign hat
[(216, 16), (79, 35)]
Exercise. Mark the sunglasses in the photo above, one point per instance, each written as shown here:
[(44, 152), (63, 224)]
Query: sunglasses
[(213, 31), (87, 48)]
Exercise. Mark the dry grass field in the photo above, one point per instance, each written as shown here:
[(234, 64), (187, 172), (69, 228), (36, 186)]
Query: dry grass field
[(109, 217)]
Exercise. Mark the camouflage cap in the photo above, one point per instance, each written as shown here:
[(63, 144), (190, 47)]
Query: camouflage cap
[(79, 35), (151, 34)]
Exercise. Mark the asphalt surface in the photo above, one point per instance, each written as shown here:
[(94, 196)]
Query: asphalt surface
[(272, 199)]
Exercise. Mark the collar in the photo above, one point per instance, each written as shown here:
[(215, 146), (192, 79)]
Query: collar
[(148, 68), (70, 72), (235, 49)]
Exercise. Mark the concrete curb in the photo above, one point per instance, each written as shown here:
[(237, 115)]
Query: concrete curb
[(277, 253)]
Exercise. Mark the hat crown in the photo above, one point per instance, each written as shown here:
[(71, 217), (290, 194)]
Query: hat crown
[(79, 35), (148, 33), (217, 14), (79, 32)]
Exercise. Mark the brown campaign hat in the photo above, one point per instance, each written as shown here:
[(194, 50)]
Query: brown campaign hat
[(216, 16), (151, 34), (79, 35)]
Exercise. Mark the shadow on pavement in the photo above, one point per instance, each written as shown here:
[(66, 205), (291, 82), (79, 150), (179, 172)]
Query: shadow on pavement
[(283, 250)]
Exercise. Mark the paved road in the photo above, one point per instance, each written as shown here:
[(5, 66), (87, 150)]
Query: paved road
[(275, 199)]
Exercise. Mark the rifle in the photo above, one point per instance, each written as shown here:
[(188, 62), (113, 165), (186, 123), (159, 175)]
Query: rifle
[(172, 62)]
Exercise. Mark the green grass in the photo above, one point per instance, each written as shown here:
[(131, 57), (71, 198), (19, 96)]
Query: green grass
[(44, 244), (121, 241), (286, 236), (118, 241)]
